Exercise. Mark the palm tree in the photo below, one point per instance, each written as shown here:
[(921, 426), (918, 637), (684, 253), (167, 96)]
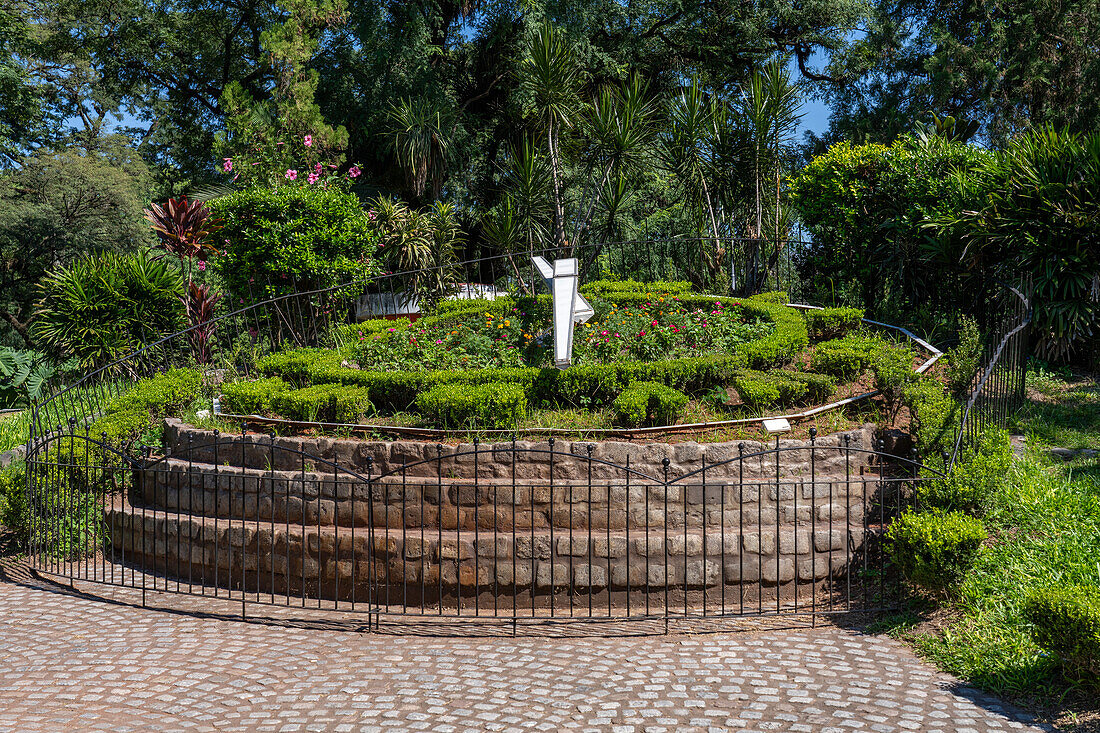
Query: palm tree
[(769, 110), (420, 135), (549, 76)]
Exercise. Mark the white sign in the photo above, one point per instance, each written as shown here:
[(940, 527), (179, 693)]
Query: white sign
[(570, 307)]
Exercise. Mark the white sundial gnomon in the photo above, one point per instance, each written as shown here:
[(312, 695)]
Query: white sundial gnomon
[(570, 307)]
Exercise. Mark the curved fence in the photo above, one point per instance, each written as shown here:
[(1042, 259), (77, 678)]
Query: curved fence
[(518, 532)]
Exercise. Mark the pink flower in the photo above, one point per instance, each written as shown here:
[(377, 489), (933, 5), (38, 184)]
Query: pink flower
[(202, 265), (641, 334), (654, 323), (317, 169), (308, 141), (439, 341), (291, 174), (312, 178), (354, 172), (227, 164)]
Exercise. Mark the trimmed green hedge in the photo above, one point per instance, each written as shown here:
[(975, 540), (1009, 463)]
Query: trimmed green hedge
[(648, 403), (1067, 623), (847, 357), (607, 289), (489, 405), (323, 403), (252, 398), (832, 323), (935, 415), (935, 549), (597, 384), (767, 389)]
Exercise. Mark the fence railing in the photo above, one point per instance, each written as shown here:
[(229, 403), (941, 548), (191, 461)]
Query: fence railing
[(998, 387), (520, 532)]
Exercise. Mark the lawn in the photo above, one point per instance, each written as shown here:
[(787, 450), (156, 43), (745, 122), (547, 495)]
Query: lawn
[(1044, 525)]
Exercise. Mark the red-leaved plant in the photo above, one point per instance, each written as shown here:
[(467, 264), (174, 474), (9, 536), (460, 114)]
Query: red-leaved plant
[(184, 229)]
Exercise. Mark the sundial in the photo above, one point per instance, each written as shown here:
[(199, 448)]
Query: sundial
[(570, 307)]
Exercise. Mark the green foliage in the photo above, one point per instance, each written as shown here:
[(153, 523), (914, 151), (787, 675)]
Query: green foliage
[(964, 361), (648, 403), (766, 389), (334, 403), (293, 238), (25, 376), (935, 549), (487, 405), (14, 509), (252, 398), (935, 415), (161, 395), (893, 369), (609, 287), (420, 244), (56, 205), (100, 309), (1066, 622), (1037, 216), (832, 323), (819, 387), (866, 206), (846, 358), (976, 478)]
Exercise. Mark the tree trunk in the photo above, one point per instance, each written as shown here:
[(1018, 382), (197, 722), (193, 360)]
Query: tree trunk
[(559, 209)]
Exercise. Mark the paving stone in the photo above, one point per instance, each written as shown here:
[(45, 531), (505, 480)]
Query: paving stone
[(73, 661)]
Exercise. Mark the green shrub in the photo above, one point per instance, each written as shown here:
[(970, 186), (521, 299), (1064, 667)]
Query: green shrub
[(935, 549), (491, 405), (351, 333), (974, 480), (934, 415), (161, 395), (610, 287), (1066, 622), (832, 323), (819, 387), (334, 403), (102, 308), (965, 359), (252, 398), (648, 403), (293, 237), (766, 389), (14, 510), (296, 365), (847, 357)]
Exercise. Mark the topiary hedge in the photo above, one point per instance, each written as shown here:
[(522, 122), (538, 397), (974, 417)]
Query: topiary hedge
[(935, 549), (334, 403), (1066, 622), (831, 323), (581, 385), (488, 405), (648, 403)]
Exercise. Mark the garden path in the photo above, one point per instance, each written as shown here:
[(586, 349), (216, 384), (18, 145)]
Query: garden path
[(72, 662)]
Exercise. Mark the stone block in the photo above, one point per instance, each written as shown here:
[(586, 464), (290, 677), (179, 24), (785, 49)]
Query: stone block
[(794, 542), (702, 573), (454, 549), (825, 540), (678, 545), (576, 546), (494, 546), (813, 568), (781, 571), (603, 547), (743, 570), (537, 547), (551, 575), (590, 576), (761, 542)]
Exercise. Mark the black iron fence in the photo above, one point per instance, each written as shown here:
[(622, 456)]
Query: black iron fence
[(998, 388), (521, 532)]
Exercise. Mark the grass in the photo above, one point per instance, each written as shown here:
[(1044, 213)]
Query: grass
[(1044, 524)]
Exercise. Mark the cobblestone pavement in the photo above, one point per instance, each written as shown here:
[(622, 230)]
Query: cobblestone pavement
[(69, 662)]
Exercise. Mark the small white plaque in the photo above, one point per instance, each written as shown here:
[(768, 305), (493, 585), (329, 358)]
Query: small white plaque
[(777, 425)]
